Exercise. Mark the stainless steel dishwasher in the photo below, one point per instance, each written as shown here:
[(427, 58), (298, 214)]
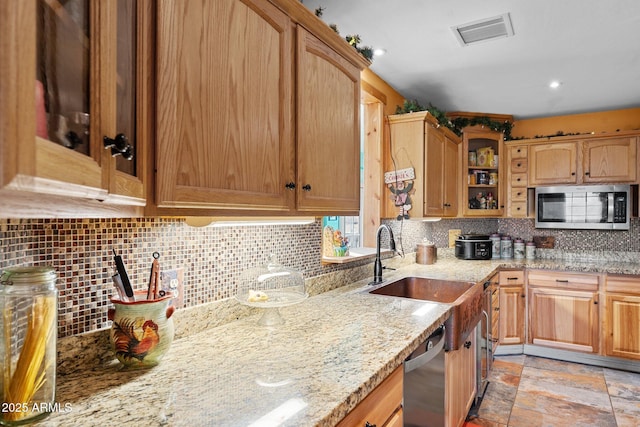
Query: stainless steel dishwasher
[(424, 383)]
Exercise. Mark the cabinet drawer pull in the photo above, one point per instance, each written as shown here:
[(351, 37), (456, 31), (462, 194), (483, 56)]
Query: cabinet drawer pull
[(562, 281), (512, 278), (306, 187)]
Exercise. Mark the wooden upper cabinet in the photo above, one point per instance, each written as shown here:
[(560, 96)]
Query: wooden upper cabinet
[(434, 171), (451, 176), (610, 160), (591, 159), (417, 142), (224, 105), (328, 119), (82, 59), (553, 163), (255, 113)]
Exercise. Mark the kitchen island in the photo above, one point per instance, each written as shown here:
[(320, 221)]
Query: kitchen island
[(331, 352)]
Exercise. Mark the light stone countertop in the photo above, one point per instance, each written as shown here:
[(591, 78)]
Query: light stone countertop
[(332, 350)]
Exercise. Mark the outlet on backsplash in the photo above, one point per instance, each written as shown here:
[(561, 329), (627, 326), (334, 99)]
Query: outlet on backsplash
[(173, 280)]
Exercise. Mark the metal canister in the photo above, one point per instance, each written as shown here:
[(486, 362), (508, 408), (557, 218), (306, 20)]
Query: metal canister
[(531, 250), (495, 246), (28, 298), (426, 253), (506, 247), (518, 249)]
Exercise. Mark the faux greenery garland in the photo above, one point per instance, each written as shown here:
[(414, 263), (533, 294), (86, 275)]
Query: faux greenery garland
[(353, 40), (456, 125)]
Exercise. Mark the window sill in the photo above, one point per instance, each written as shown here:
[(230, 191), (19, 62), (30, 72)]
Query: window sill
[(355, 254)]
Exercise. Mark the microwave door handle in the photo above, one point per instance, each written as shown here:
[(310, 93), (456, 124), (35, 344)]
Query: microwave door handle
[(610, 203)]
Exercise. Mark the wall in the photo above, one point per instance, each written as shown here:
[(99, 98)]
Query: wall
[(605, 121), (81, 252), (392, 97)]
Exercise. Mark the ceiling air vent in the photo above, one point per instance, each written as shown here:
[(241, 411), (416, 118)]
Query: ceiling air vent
[(484, 29)]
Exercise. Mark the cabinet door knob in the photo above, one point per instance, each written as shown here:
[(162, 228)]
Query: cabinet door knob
[(306, 187), (587, 173), (467, 344), (368, 424), (290, 186), (573, 174), (119, 146)]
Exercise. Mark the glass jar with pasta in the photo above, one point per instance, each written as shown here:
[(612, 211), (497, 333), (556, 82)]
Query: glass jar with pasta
[(28, 299)]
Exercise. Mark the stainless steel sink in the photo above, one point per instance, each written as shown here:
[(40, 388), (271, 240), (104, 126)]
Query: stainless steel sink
[(466, 298)]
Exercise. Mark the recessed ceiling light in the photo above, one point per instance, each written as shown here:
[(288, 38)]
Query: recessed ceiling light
[(379, 51), (555, 84)]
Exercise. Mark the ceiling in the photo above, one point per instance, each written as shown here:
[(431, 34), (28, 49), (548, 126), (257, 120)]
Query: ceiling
[(591, 46)]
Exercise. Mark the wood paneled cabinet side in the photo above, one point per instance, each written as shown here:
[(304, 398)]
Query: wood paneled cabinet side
[(563, 310), (405, 148), (622, 325), (451, 191), (33, 169), (460, 382), (418, 142), (382, 407)]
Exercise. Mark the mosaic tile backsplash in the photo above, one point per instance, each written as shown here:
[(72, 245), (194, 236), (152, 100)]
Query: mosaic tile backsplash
[(81, 252)]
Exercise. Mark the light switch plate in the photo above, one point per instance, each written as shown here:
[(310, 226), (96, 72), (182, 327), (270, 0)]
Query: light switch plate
[(453, 235), (172, 280)]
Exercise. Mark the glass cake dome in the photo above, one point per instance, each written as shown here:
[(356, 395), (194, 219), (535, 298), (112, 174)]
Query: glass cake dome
[(271, 286)]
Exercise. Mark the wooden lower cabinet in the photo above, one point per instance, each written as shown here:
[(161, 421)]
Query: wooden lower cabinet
[(512, 313), (382, 407), (511, 324), (460, 382), (563, 310), (622, 335)]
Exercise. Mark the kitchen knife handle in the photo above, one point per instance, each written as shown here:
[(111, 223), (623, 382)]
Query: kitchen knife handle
[(123, 275)]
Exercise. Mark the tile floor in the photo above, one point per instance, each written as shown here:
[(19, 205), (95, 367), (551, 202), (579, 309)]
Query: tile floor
[(528, 391)]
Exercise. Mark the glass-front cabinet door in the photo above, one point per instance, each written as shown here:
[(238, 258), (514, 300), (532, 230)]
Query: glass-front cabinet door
[(78, 136)]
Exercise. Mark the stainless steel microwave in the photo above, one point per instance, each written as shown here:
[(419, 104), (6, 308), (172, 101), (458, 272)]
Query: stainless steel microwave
[(600, 207)]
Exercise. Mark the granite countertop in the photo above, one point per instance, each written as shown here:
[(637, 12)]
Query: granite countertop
[(332, 350)]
